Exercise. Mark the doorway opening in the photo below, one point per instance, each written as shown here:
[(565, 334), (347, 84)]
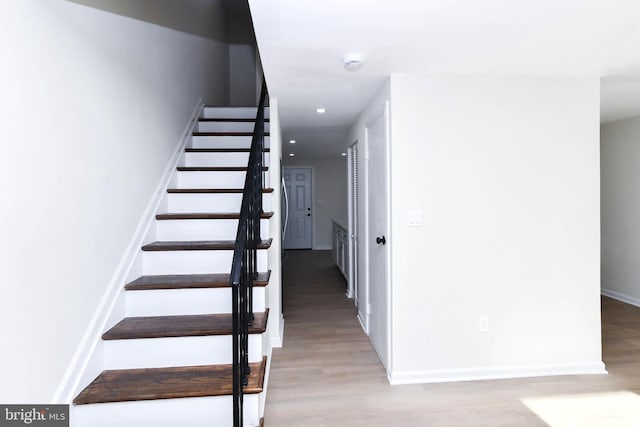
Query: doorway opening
[(298, 224), (317, 193)]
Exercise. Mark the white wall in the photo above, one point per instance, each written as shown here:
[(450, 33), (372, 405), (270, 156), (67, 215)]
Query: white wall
[(506, 172), (92, 106), (329, 187), (275, 328), (620, 168)]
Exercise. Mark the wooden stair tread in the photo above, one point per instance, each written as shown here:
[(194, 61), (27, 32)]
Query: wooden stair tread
[(221, 150), (206, 215), (226, 134), (211, 190), (195, 325), (234, 107), (125, 385), (189, 281), (228, 120), (215, 168), (199, 245)]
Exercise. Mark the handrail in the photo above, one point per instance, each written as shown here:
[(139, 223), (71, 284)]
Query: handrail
[(244, 268)]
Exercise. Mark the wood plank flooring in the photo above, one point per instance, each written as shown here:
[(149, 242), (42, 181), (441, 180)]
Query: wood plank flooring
[(327, 374), (221, 150), (205, 215), (226, 134), (215, 168), (191, 325), (166, 383), (211, 190), (189, 281), (199, 245)]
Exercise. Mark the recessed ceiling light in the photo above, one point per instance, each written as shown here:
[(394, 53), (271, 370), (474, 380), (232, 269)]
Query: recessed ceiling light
[(344, 154), (292, 141), (291, 155), (320, 110)]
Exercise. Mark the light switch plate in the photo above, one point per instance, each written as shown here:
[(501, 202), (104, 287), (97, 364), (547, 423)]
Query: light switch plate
[(415, 218)]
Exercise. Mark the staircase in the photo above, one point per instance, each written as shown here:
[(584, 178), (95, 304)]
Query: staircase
[(169, 361)]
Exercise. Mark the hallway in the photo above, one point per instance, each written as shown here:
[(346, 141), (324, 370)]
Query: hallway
[(328, 375)]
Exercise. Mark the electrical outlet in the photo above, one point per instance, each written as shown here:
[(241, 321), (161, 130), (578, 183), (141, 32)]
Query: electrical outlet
[(483, 323)]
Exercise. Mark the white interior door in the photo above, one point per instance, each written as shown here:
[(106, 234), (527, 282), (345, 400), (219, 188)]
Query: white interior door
[(376, 133), (298, 184)]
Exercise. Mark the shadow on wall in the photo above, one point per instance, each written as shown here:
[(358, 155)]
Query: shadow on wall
[(226, 21), (197, 17)]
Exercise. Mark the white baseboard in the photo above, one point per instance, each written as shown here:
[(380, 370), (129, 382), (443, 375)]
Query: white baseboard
[(322, 247), (277, 342), (75, 374), (363, 322), (620, 297), (265, 384), (454, 375)]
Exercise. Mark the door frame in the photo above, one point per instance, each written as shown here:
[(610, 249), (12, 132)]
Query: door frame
[(313, 214), (377, 113)]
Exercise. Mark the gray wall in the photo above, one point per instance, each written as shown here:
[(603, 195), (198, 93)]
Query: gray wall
[(242, 55), (242, 75), (620, 170)]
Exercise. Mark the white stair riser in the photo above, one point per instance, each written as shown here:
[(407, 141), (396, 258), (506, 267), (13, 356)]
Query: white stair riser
[(220, 159), (224, 141), (193, 262), (216, 179), (203, 229), (192, 412), (211, 202), (170, 302), (233, 112), (229, 126), (179, 351)]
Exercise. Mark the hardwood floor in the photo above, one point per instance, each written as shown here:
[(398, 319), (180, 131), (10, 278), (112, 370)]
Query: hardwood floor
[(127, 385), (327, 373), (190, 325)]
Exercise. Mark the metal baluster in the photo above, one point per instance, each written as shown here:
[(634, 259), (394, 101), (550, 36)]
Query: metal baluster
[(244, 269)]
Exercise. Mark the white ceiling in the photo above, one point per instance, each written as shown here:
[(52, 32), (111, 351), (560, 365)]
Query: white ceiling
[(302, 44)]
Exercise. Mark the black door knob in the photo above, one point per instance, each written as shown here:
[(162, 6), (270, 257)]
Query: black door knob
[(381, 240)]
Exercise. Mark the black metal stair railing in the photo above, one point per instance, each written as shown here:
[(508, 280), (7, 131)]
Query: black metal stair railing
[(244, 268)]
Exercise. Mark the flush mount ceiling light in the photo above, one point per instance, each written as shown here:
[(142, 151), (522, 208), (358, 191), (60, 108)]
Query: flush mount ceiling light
[(344, 154), (352, 62), (291, 155), (292, 141), (321, 110)]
